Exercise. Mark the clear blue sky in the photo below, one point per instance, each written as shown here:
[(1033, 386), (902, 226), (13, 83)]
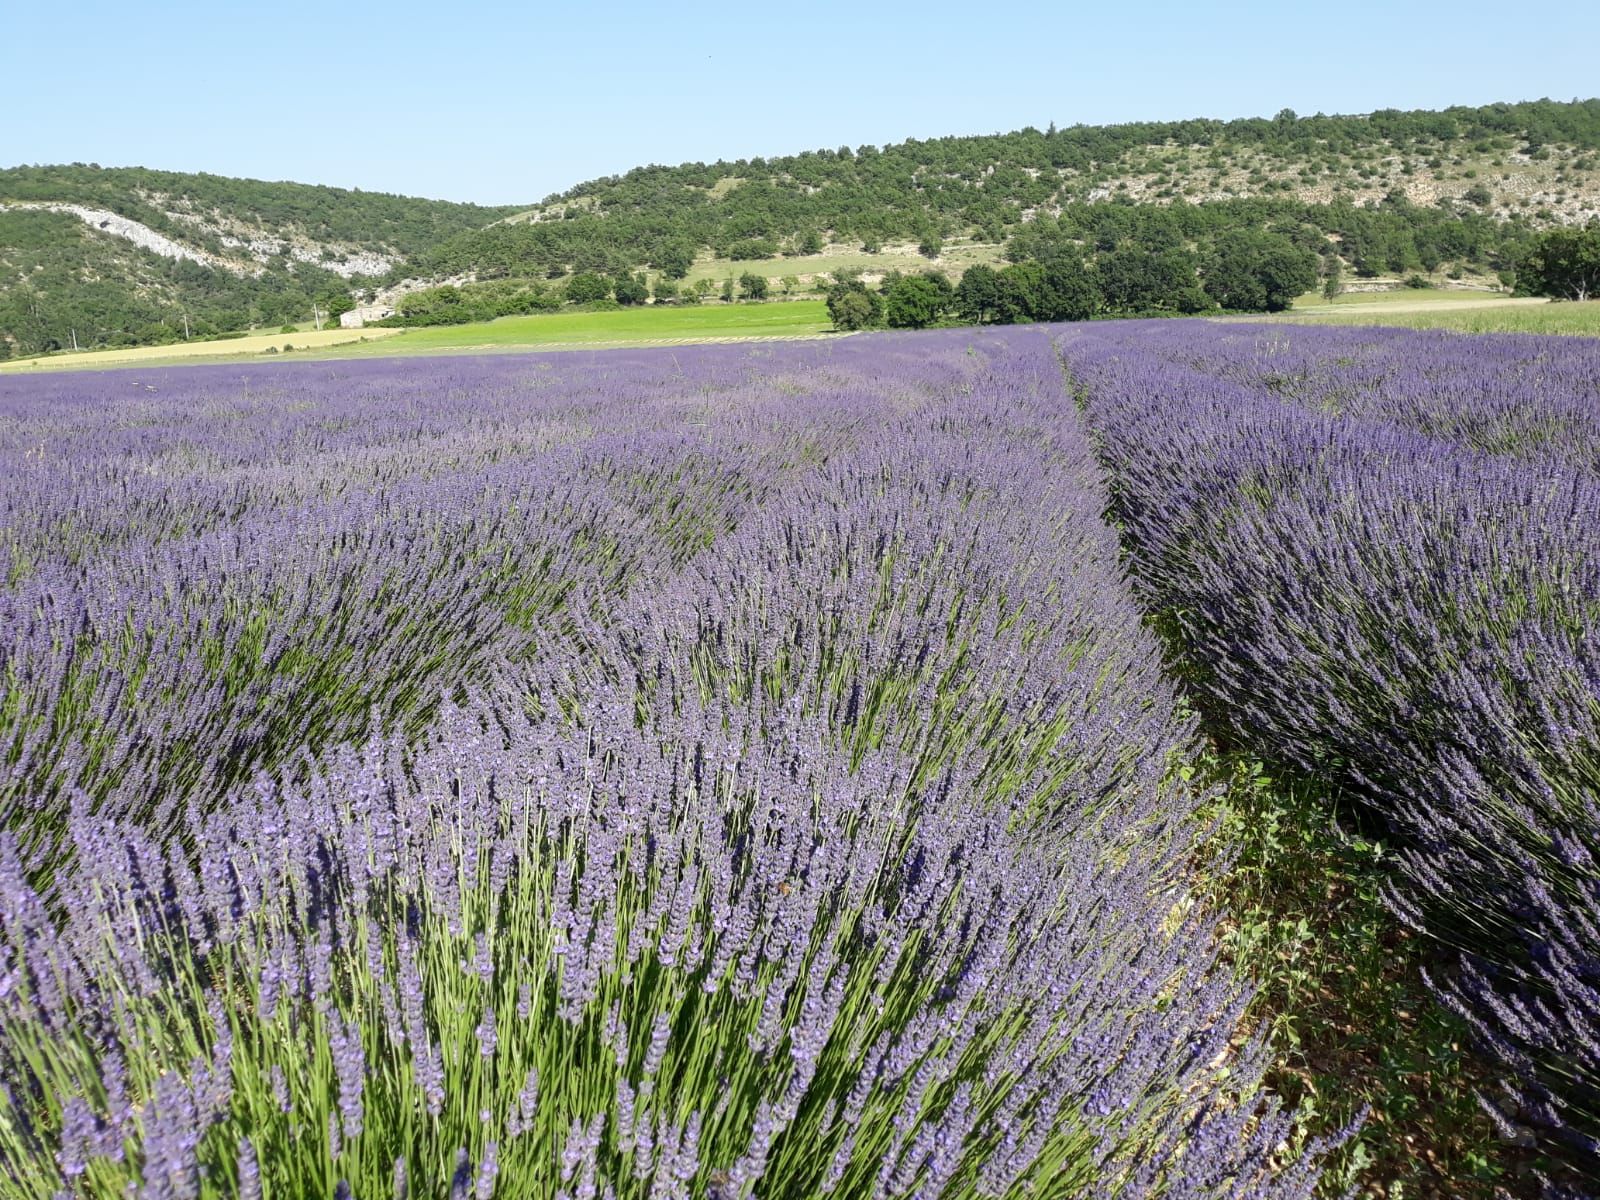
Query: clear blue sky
[(507, 102)]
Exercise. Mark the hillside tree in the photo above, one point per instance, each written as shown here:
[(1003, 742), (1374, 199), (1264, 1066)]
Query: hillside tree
[(914, 302), (586, 288), (1563, 264), (675, 259), (852, 305), (1251, 270)]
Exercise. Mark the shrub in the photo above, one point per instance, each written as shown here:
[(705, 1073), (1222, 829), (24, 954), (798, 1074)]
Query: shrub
[(751, 248)]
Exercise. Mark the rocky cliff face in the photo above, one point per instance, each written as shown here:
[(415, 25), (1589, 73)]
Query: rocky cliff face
[(248, 254)]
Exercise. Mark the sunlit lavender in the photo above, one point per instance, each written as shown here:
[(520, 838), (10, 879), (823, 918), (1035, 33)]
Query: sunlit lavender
[(1381, 553), (721, 772)]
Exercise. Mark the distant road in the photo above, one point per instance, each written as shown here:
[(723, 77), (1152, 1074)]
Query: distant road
[(254, 346)]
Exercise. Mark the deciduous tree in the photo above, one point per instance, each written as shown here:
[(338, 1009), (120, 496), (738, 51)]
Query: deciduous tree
[(1563, 263), (631, 289), (586, 288), (913, 302), (978, 295), (1251, 270), (852, 305)]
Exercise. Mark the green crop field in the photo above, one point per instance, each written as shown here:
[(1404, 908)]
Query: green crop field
[(1508, 317), (644, 324), (652, 325), (1464, 311)]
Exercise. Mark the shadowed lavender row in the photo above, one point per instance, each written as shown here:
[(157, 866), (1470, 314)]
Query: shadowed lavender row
[(1416, 617), (815, 829)]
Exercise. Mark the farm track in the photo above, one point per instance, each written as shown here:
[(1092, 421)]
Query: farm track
[(327, 350)]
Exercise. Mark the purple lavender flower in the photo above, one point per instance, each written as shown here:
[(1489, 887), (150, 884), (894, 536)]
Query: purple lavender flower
[(249, 1171), (461, 1181), (487, 1170), (349, 1065), (1379, 548), (487, 1034), (432, 691)]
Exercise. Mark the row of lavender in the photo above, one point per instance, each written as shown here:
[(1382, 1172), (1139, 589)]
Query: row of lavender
[(725, 773), (1528, 398), (1382, 552), (207, 572)]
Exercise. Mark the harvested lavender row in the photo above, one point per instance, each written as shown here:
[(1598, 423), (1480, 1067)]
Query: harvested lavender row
[(1414, 618), (837, 850)]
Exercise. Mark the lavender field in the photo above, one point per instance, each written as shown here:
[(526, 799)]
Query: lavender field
[(1381, 555), (774, 770)]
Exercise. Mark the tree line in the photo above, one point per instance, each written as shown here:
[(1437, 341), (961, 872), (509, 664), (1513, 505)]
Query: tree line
[(1240, 270), (457, 304)]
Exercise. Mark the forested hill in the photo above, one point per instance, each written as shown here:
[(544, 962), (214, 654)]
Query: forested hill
[(1537, 162), (220, 214), (114, 256), (121, 255)]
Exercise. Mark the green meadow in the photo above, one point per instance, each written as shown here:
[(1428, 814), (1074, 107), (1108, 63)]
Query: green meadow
[(1461, 310), (646, 325), (795, 318)]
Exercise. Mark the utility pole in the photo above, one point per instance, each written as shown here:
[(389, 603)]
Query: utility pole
[(316, 316), (186, 327), (74, 340)]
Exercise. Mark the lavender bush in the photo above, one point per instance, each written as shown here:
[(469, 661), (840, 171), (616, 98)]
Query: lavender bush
[(719, 773), (1380, 552)]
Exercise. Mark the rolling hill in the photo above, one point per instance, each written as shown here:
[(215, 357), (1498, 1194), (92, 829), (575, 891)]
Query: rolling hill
[(120, 256), (1537, 162), (127, 255)]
